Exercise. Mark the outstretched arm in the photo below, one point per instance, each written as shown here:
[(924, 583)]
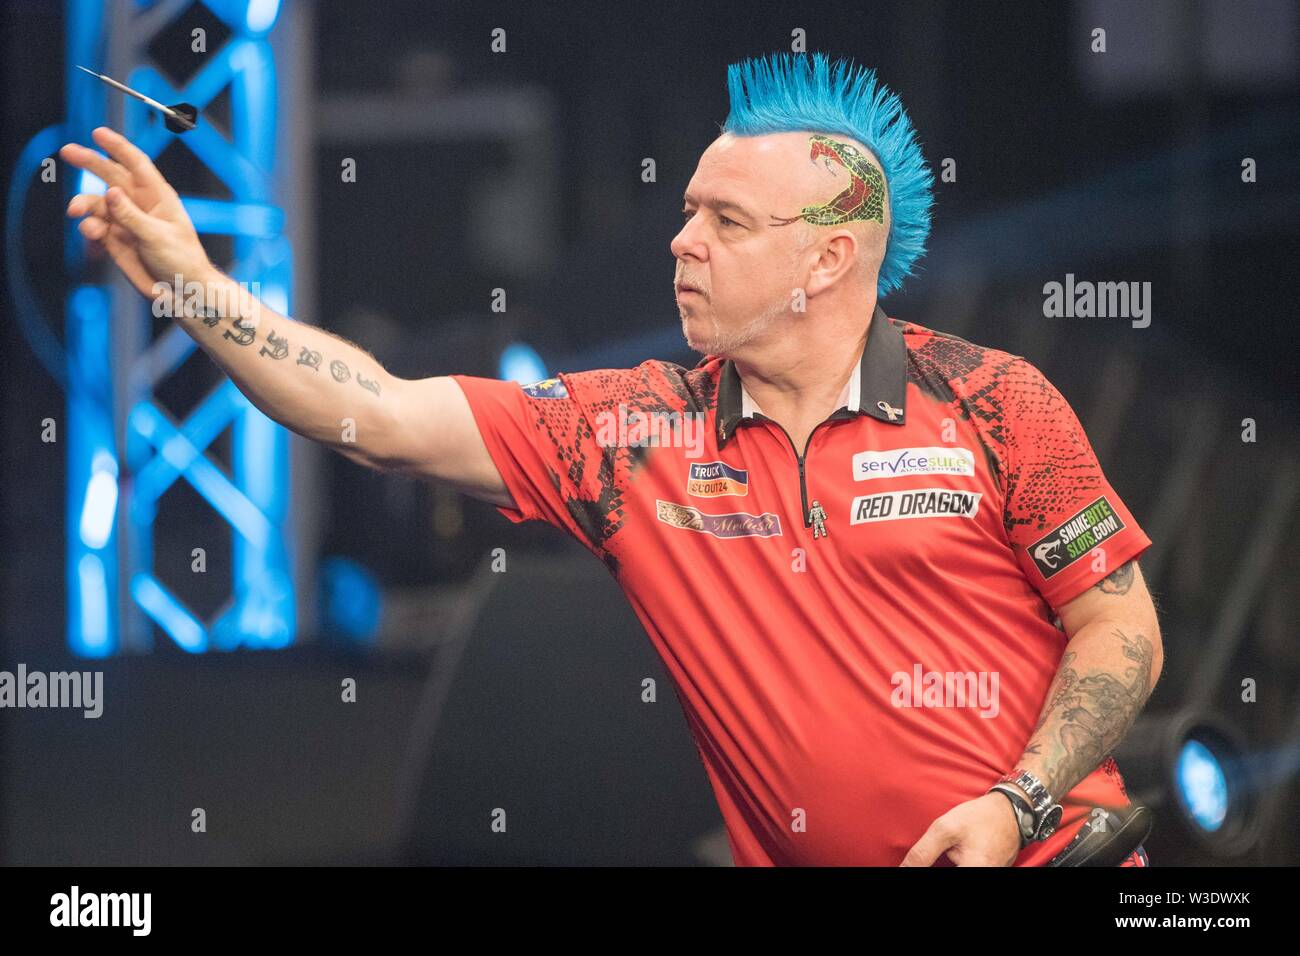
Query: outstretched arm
[(314, 383)]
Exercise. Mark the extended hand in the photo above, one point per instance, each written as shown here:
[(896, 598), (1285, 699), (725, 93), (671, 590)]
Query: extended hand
[(979, 832), (140, 220)]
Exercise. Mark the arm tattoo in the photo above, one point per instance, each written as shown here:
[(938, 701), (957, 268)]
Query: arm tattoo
[(276, 347), (1118, 581), (245, 332), (1088, 714)]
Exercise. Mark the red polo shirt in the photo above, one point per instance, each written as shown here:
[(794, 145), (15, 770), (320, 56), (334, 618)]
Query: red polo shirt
[(844, 688)]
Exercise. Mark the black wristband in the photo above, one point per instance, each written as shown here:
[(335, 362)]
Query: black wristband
[(1023, 804)]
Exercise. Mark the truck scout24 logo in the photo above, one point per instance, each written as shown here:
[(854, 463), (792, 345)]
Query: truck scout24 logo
[(720, 526), (896, 462), (916, 503), (713, 479), (1060, 548)]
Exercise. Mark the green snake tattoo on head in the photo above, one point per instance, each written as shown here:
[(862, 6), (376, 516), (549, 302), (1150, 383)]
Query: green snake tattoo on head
[(862, 199)]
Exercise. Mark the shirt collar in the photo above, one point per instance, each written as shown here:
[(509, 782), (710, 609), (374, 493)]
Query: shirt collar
[(850, 398), (879, 388)]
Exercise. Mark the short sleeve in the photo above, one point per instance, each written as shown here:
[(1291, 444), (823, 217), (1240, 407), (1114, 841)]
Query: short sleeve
[(1067, 526), (542, 444)]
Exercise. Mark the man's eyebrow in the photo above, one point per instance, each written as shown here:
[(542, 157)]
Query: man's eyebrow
[(718, 204)]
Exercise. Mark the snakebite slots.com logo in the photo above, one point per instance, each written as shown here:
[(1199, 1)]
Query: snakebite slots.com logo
[(1061, 547)]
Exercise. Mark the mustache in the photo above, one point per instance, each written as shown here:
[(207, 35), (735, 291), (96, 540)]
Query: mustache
[(688, 281)]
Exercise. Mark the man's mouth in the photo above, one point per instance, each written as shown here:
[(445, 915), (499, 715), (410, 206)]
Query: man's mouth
[(687, 287)]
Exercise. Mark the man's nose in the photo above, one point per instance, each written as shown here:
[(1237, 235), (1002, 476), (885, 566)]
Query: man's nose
[(687, 243)]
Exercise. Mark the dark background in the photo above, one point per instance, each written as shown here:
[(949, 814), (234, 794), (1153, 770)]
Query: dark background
[(1123, 166)]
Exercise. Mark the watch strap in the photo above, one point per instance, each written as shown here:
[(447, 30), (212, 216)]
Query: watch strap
[(1026, 821), (1044, 811)]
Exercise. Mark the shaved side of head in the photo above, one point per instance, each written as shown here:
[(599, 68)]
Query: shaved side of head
[(837, 185), (858, 120)]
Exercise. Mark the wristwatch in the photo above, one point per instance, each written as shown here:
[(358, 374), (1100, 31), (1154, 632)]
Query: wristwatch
[(1038, 819)]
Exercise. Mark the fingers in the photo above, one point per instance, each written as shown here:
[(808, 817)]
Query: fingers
[(926, 850), (88, 204), (93, 227), (125, 213), (132, 158), (105, 238), (93, 162)]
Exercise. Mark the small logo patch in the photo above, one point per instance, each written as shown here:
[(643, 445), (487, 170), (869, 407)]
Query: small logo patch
[(1061, 547), (897, 462), (915, 503), (713, 479), (547, 388), (720, 526)]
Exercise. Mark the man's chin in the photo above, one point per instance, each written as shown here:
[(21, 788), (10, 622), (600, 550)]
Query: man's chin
[(713, 343), (694, 341), (697, 345)]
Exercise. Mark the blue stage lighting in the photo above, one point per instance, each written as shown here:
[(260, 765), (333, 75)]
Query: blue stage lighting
[(350, 602), (521, 363), (1202, 785), (99, 511)]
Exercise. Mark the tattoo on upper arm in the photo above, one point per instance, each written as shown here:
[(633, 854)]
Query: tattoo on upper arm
[(1092, 711), (1118, 581)]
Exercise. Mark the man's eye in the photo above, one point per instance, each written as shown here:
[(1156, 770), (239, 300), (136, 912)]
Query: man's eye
[(723, 220)]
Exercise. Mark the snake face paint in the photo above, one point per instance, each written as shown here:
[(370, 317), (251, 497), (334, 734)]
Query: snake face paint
[(863, 198)]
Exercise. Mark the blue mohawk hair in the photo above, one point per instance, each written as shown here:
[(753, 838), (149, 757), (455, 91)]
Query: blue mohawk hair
[(794, 92)]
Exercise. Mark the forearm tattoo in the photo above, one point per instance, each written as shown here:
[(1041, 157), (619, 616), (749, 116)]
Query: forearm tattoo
[(276, 347), (1088, 714), (243, 333)]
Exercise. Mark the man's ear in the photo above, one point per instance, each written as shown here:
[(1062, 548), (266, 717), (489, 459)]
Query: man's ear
[(841, 253)]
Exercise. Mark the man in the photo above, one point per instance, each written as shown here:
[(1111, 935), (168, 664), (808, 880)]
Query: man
[(881, 564)]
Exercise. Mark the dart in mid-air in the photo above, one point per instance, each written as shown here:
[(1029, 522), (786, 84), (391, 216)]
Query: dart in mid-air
[(179, 117)]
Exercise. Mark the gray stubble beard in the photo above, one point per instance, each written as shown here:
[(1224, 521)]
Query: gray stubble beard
[(722, 344)]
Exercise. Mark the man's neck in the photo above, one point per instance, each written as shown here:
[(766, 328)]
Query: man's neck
[(797, 379)]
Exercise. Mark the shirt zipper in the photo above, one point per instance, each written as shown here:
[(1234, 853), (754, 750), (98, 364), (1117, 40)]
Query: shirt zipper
[(803, 479)]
